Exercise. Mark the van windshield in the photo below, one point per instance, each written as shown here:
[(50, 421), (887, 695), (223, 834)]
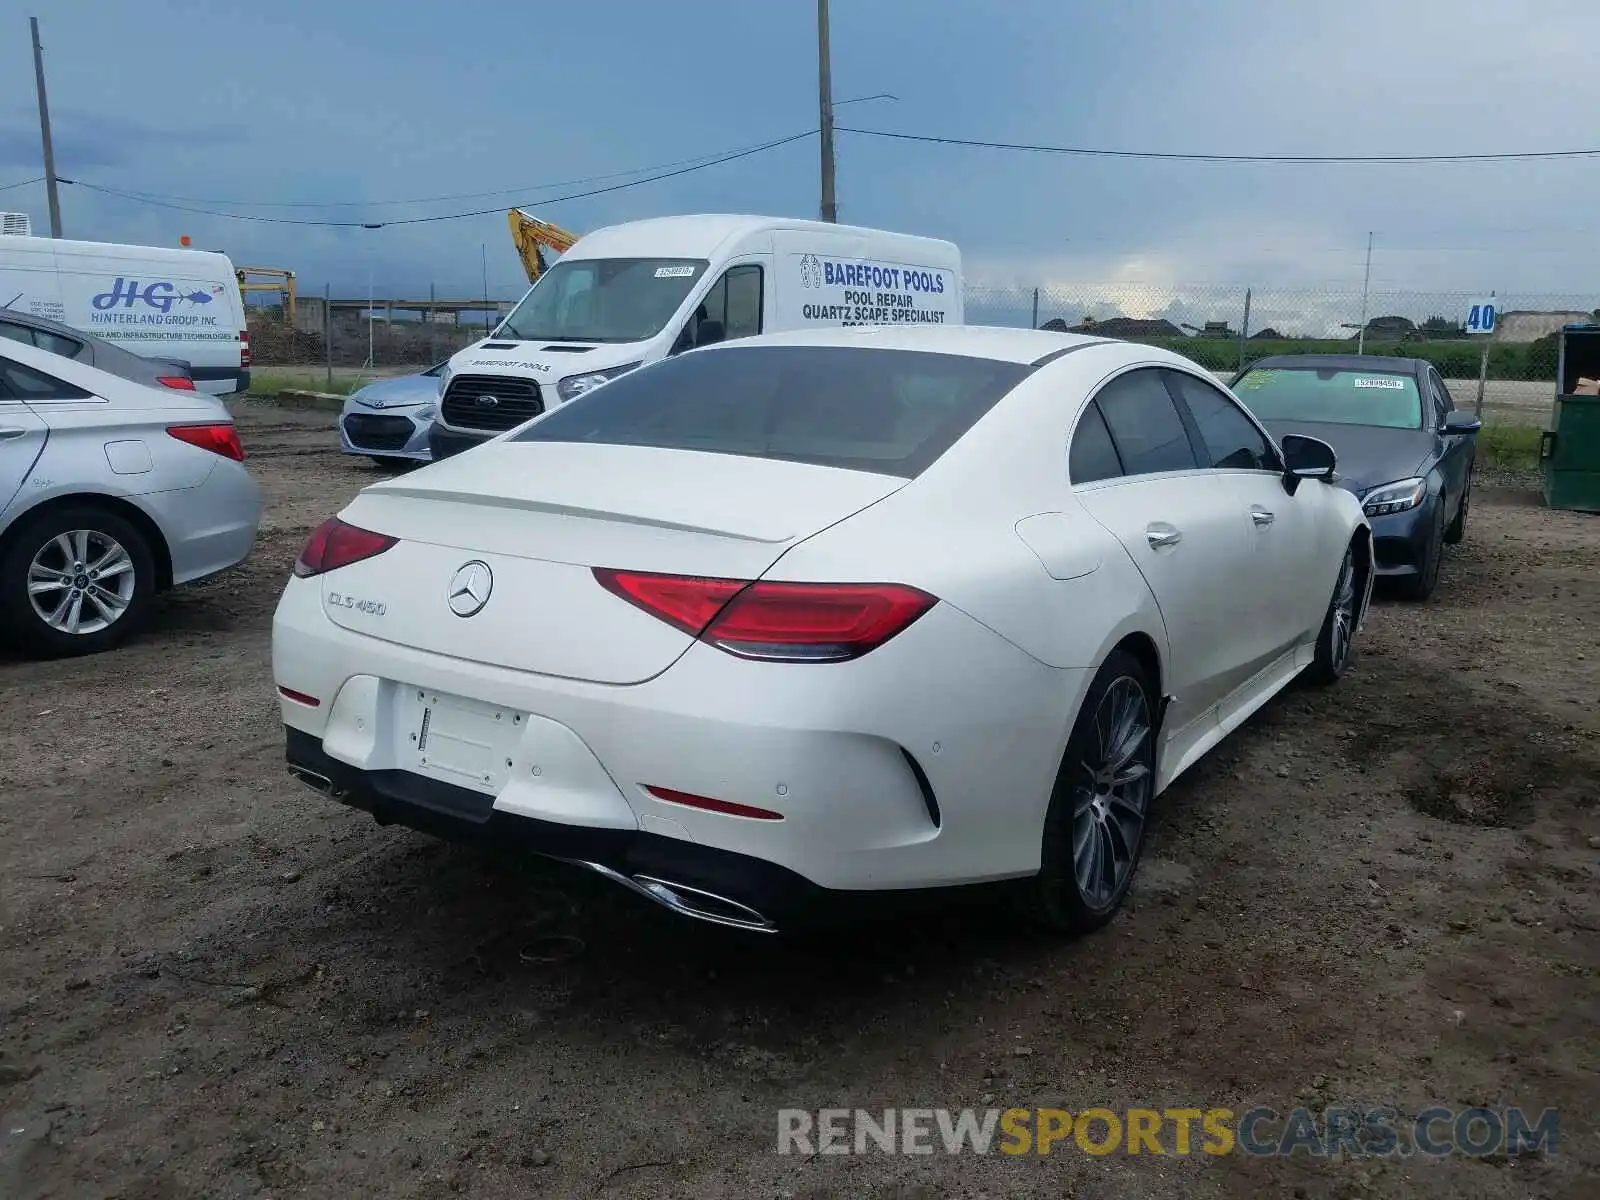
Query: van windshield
[(602, 300)]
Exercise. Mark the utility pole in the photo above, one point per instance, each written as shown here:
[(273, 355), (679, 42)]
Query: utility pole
[(830, 210), (1366, 283), (44, 132)]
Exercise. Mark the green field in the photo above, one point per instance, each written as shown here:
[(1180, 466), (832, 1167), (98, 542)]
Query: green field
[(305, 379)]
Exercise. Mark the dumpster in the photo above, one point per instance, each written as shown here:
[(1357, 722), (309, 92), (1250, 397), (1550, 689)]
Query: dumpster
[(1569, 451)]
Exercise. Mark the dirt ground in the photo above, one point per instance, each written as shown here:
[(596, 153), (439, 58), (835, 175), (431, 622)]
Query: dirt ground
[(216, 983)]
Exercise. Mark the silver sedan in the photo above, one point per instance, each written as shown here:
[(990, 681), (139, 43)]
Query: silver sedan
[(388, 420), (110, 491)]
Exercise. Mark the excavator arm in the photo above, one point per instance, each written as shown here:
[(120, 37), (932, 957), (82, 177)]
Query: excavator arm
[(532, 236)]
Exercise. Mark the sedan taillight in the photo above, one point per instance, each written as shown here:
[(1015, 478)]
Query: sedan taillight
[(780, 622), (218, 437), (335, 544), (181, 383)]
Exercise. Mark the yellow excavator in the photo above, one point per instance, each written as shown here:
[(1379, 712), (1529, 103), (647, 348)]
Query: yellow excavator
[(532, 237)]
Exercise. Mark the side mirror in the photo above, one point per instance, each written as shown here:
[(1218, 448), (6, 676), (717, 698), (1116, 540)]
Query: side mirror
[(1458, 422), (709, 333), (1306, 458)]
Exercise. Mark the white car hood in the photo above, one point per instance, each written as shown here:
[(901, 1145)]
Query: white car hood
[(544, 362)]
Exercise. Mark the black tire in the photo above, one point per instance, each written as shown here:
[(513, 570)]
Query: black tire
[(1419, 587), (33, 634), (1336, 639), (1458, 527), (1056, 897)]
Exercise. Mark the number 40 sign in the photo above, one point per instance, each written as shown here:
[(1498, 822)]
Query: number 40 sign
[(1480, 317)]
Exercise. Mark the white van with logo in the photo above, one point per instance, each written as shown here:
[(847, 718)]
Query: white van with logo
[(632, 294), (150, 300)]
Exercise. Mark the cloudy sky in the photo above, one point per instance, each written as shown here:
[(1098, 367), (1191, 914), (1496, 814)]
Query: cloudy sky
[(255, 108)]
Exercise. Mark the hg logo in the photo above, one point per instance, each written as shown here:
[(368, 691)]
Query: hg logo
[(160, 296)]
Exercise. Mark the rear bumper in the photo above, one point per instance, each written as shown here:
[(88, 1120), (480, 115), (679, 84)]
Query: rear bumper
[(755, 895), (211, 527), (925, 765)]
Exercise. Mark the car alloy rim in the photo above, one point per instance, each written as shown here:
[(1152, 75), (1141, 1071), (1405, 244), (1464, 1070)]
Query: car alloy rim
[(1110, 802), (1344, 613), (81, 581)]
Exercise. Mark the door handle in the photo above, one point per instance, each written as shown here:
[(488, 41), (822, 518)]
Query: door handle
[(1261, 517), (1160, 535), (9, 432)]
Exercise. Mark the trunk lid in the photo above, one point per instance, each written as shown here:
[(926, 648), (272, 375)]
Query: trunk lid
[(540, 515)]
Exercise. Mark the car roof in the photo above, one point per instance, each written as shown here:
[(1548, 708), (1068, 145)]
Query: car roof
[(1341, 362), (1025, 346), (699, 234)]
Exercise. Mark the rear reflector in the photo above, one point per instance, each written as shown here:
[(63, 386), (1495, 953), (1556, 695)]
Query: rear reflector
[(783, 622), (220, 438), (335, 544), (726, 807), (298, 697), (179, 383)]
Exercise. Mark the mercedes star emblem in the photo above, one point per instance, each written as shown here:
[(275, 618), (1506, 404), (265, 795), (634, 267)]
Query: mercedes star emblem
[(470, 587)]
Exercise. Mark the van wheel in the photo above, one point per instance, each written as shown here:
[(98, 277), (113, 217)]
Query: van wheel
[(76, 580), (1094, 830)]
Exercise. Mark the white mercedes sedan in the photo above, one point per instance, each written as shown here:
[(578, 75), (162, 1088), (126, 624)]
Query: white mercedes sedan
[(771, 630)]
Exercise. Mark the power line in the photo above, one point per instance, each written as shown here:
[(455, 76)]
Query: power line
[(508, 191), (1095, 152), (456, 216), (6, 187)]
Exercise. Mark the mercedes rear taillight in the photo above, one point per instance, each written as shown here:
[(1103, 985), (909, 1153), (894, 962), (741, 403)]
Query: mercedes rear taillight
[(244, 349), (336, 544), (778, 622), (219, 437)]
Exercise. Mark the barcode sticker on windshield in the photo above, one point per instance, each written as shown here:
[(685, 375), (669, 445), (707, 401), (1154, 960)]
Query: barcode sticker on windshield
[(675, 272), (1392, 382)]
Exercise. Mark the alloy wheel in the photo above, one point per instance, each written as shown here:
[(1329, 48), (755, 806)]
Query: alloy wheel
[(81, 581), (1112, 798), (1341, 630)]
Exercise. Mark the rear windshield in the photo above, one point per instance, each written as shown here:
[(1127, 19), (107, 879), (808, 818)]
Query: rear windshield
[(888, 411), (1339, 396)]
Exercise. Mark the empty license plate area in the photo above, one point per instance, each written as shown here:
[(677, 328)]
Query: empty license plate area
[(460, 741)]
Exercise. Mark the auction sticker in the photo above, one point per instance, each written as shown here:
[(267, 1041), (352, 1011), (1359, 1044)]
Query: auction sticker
[(1392, 382)]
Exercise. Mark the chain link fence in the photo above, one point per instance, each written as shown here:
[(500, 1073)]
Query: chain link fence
[(1221, 327), (1225, 327)]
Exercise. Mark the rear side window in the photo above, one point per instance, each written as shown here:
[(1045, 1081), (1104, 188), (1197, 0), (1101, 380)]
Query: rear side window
[(45, 340), (888, 411), (18, 382), (1092, 456), (1144, 424), (1232, 441)]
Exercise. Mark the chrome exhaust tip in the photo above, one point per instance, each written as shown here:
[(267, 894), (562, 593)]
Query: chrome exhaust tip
[(316, 781), (688, 901)]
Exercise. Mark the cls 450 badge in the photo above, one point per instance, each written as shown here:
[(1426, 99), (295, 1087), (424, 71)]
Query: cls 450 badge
[(373, 608)]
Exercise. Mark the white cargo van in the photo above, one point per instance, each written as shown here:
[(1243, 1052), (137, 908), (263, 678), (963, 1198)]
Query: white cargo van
[(632, 294), (153, 301)]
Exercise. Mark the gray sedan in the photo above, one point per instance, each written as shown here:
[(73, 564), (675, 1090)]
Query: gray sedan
[(388, 420), (73, 343), (110, 491)]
